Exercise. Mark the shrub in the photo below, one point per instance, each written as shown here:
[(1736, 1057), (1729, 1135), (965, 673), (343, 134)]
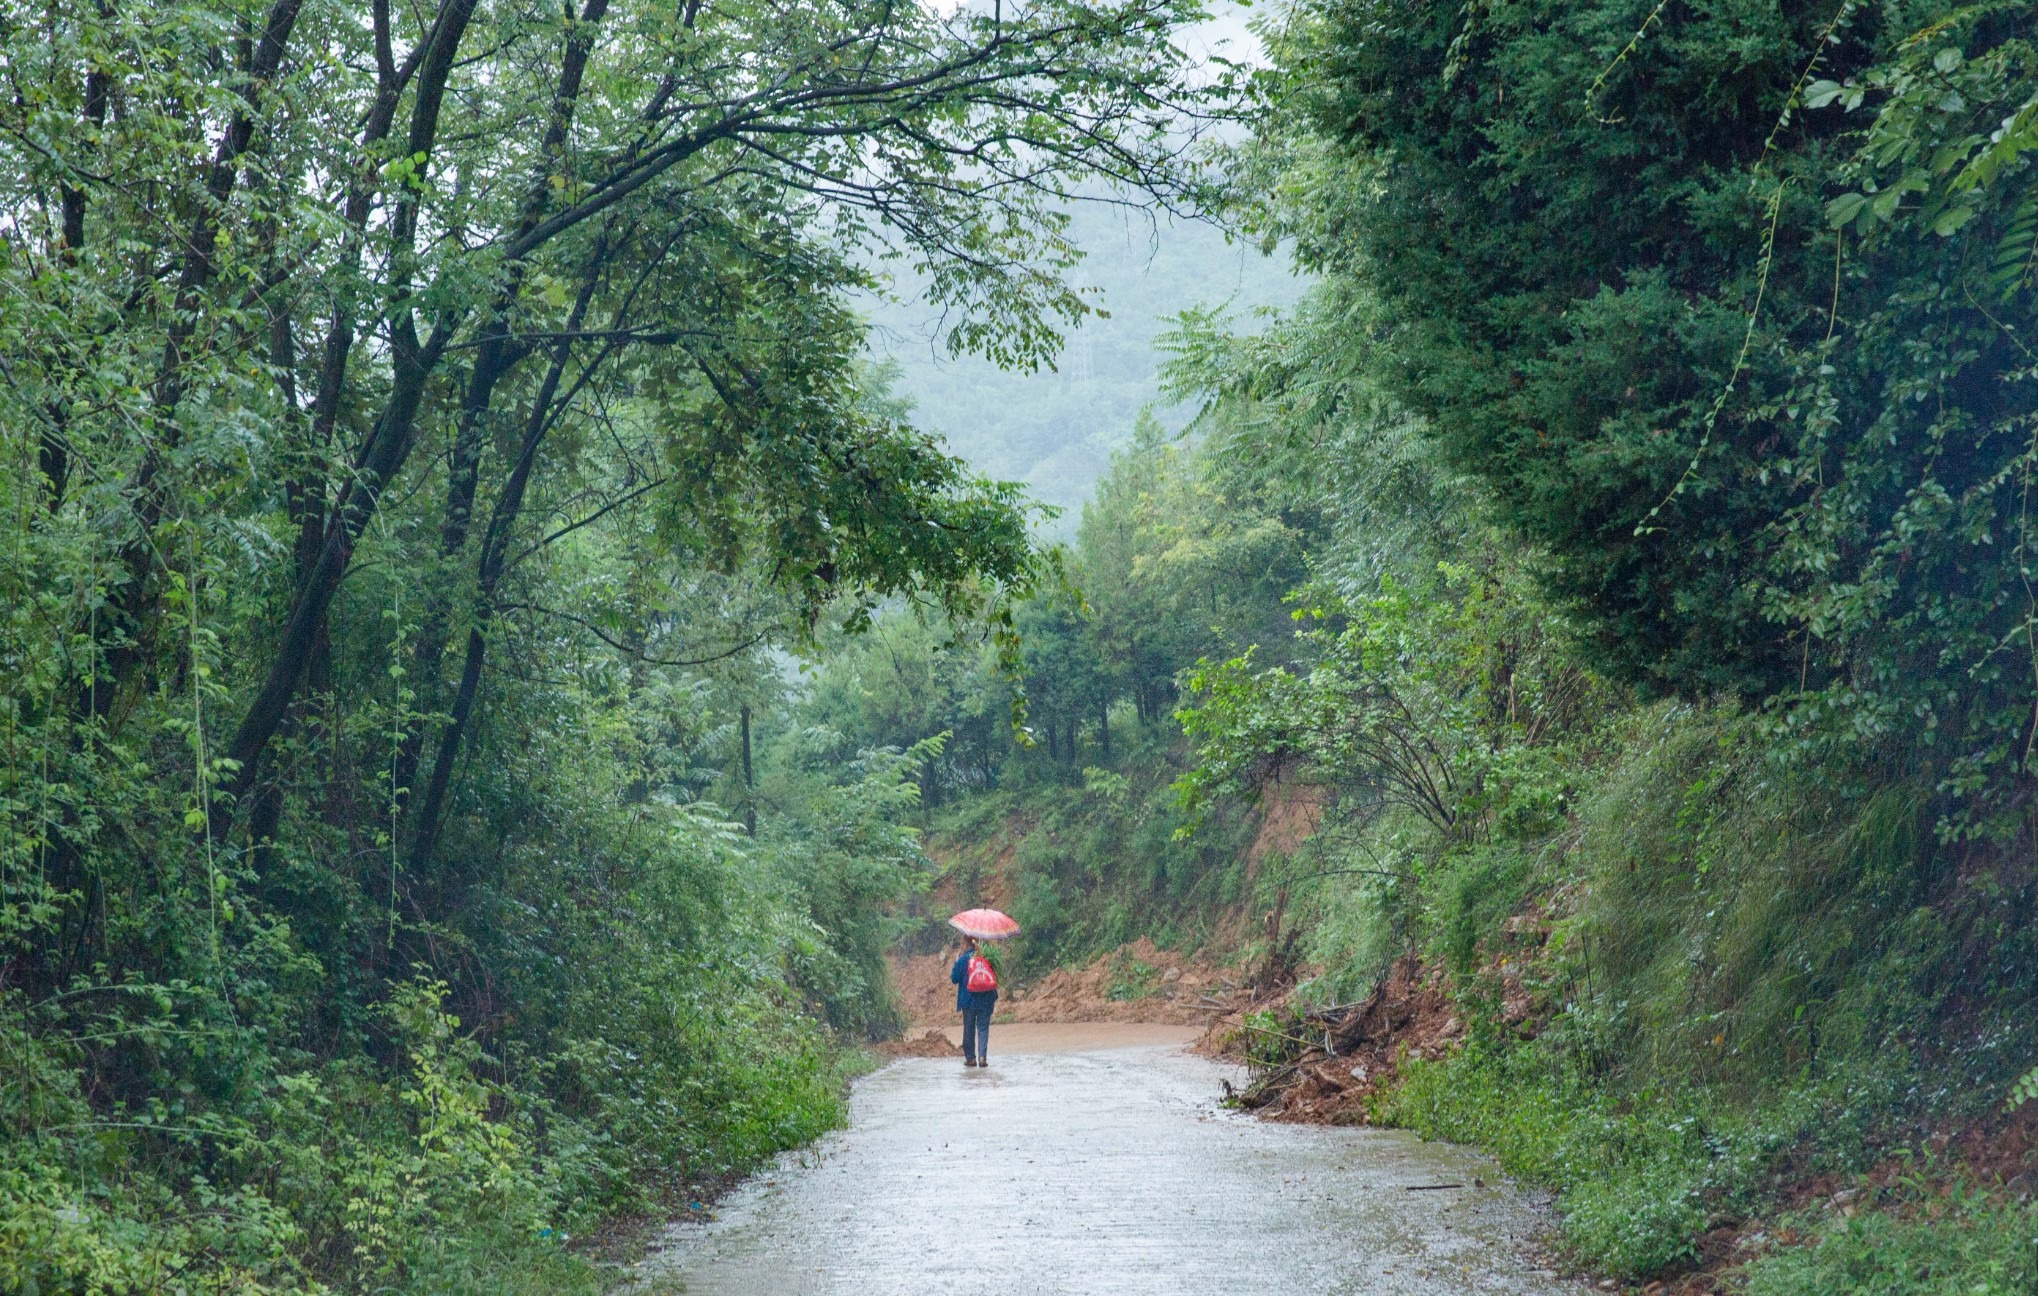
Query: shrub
[(1954, 1241)]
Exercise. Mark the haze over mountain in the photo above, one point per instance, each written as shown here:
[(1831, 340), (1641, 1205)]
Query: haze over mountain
[(1054, 430)]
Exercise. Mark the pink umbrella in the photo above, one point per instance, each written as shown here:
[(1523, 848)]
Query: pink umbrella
[(984, 924)]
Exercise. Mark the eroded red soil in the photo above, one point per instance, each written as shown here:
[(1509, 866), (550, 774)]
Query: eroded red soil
[(1139, 982)]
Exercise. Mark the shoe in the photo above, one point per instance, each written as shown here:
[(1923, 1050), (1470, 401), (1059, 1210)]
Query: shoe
[(969, 1062)]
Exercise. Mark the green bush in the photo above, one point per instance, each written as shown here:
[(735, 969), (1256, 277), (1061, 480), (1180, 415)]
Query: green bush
[(1640, 1169), (1958, 1242)]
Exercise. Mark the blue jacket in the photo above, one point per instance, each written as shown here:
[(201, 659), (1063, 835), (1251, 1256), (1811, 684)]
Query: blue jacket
[(968, 999)]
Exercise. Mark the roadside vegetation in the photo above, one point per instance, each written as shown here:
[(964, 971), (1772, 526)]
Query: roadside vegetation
[(1684, 713), (490, 664), (432, 436), (1624, 547)]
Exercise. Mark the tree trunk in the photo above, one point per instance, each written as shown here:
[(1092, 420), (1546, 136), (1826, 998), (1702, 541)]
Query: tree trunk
[(136, 602), (749, 781), (493, 563), (54, 453), (388, 446), (496, 356), (389, 442)]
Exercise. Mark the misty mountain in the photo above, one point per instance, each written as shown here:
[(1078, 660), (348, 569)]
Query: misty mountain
[(1055, 429)]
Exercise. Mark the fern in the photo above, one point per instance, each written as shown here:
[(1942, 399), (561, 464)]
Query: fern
[(2016, 253)]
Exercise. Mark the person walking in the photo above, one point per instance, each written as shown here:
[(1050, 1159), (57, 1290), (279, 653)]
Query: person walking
[(976, 996)]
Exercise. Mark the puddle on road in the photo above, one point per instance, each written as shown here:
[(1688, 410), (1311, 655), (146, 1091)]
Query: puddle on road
[(1096, 1173)]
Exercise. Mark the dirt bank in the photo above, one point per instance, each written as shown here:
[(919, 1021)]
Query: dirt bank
[(1032, 1039), (1288, 816), (1134, 983), (1341, 1055), (929, 1041)]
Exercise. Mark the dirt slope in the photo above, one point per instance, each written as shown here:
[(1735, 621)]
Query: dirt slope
[(1135, 983), (1352, 1049)]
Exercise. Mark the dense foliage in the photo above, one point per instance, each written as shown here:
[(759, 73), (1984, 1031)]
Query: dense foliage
[(424, 430), (1178, 558), (1722, 307), (1666, 679), (434, 438)]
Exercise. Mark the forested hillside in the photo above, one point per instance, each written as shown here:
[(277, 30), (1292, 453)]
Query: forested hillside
[(1054, 429), (494, 658), (1623, 552), (428, 431)]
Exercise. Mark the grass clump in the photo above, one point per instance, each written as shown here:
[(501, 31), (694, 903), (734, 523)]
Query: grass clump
[(1738, 977), (1630, 1190), (1949, 1240), (1131, 978), (1639, 1171)]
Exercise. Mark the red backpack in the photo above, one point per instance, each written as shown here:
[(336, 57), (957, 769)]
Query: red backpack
[(980, 976)]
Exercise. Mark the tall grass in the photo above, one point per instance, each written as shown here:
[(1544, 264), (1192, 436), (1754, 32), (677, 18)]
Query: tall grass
[(1753, 973), (1745, 924)]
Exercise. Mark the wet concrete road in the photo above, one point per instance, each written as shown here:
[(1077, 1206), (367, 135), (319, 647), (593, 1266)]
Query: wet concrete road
[(1100, 1172)]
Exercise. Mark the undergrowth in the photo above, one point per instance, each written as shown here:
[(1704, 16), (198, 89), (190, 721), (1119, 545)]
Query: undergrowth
[(1740, 979), (679, 1021), (443, 1179), (1640, 1171), (1927, 1240)]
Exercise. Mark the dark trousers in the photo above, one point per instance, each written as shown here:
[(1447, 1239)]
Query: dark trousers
[(976, 1031)]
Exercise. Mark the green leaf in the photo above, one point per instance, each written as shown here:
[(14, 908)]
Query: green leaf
[(1842, 210), (1948, 157), (1952, 219)]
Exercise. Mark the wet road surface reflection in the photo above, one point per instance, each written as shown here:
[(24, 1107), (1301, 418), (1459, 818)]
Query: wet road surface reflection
[(1098, 1171)]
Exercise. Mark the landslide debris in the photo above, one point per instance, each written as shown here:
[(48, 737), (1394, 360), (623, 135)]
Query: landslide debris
[(932, 1043), (1322, 1066), (1138, 982)]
